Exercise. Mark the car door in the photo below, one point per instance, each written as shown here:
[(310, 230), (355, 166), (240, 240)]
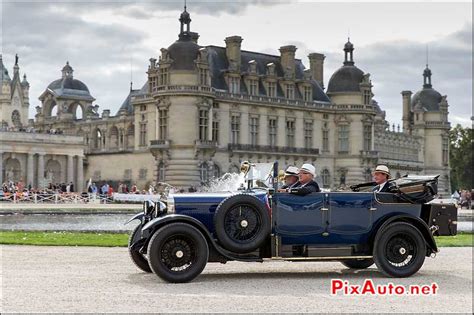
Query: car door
[(298, 217), (350, 213)]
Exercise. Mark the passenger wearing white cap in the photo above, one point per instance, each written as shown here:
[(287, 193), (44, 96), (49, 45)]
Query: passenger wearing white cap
[(290, 178), (306, 183), (381, 175)]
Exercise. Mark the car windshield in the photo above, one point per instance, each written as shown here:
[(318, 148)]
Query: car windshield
[(261, 174)]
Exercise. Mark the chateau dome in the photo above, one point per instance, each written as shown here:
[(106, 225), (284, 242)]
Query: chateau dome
[(428, 98)]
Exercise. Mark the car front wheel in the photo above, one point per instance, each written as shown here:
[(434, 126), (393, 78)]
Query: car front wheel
[(399, 250), (138, 258), (178, 252)]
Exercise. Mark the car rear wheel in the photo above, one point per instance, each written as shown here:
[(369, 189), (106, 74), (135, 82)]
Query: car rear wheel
[(138, 258), (242, 223), (178, 252), (399, 250), (358, 263)]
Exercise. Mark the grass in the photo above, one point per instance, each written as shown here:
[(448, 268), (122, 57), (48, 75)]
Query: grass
[(64, 238), (461, 240), (121, 239)]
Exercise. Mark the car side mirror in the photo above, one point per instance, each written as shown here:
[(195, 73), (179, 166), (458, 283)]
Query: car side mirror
[(271, 191)]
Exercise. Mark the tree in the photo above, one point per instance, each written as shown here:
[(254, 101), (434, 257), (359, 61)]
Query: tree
[(460, 155)]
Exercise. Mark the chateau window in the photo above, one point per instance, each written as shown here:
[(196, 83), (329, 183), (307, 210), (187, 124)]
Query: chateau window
[(127, 174), (142, 173), (325, 140), (326, 178), (253, 125), (203, 124), (98, 139), (204, 172), (307, 95), (142, 142), (203, 76), (164, 76), (445, 148), (325, 116), (271, 89), (272, 132), (367, 96), (368, 175), (308, 134), (290, 91), (253, 87), (215, 131), (161, 172), (216, 171), (142, 108), (367, 137), (234, 129), (343, 138), (234, 85), (290, 133), (163, 124)]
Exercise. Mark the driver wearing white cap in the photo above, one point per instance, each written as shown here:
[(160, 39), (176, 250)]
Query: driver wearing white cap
[(381, 176), (306, 183)]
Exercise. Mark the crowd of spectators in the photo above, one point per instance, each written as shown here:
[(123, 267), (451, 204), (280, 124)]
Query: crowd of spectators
[(32, 130)]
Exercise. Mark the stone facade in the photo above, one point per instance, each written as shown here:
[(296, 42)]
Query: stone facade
[(204, 109)]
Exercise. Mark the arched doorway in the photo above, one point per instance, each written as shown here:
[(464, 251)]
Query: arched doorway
[(77, 111), (53, 171), (12, 170)]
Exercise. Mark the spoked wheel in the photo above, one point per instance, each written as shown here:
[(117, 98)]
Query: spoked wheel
[(178, 252), (138, 258), (399, 250), (358, 263), (242, 223)]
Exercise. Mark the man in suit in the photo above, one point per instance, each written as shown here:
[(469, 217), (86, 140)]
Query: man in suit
[(306, 183), (381, 176), (290, 178)]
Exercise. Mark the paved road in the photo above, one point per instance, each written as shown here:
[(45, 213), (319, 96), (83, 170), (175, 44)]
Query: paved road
[(91, 279)]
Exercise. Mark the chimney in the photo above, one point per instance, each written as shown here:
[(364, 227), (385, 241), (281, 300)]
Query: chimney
[(106, 113), (406, 95), (316, 66), (232, 51), (287, 59)]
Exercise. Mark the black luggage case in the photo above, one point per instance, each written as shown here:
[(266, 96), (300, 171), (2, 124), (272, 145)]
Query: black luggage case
[(444, 216)]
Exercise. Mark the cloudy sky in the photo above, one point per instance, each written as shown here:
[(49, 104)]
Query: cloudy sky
[(108, 42)]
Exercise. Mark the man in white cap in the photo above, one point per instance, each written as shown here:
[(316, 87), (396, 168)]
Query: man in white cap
[(306, 183), (381, 176), (290, 178)]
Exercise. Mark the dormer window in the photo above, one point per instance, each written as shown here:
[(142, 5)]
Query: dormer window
[(253, 87), (234, 85), (290, 90), (307, 93), (367, 96), (271, 91), (164, 76), (203, 76)]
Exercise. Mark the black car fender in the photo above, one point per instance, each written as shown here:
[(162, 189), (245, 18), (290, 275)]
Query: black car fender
[(138, 216), (417, 222), (150, 227)]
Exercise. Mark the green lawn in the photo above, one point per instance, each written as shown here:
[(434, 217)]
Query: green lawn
[(460, 240), (64, 238), (120, 239)]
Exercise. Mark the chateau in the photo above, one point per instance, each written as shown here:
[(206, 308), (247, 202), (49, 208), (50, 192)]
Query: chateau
[(204, 109)]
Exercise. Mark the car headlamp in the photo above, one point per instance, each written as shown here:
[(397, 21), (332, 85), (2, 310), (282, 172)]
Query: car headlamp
[(148, 207), (170, 205)]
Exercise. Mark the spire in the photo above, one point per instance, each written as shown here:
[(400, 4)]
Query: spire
[(185, 18), (16, 67), (427, 77), (348, 53)]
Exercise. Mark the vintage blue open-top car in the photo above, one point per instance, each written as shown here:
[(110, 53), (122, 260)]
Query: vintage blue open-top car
[(177, 237)]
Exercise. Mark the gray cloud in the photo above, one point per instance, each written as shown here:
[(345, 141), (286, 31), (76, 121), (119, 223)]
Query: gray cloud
[(397, 66), (46, 34)]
